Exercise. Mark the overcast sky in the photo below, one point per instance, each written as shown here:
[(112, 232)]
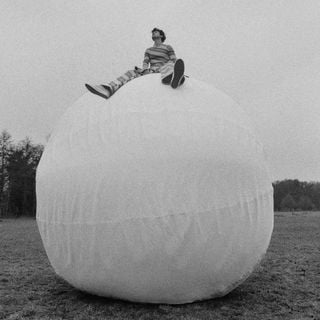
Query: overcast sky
[(264, 54)]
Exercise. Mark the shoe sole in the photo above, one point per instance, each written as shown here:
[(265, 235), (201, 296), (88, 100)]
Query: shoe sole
[(94, 91), (178, 71)]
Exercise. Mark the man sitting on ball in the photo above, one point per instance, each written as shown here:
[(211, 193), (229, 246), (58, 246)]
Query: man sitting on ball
[(160, 58)]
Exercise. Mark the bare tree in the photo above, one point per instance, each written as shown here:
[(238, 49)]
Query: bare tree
[(5, 153)]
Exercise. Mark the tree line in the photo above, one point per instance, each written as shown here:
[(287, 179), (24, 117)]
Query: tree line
[(295, 195), (19, 161), (18, 164)]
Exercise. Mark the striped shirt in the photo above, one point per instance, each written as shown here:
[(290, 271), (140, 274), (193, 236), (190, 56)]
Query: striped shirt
[(157, 56)]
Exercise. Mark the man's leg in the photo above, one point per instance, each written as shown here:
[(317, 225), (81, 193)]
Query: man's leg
[(178, 74), (107, 90), (173, 73), (167, 72)]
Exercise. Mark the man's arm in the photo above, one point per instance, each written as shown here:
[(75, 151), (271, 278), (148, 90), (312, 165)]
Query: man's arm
[(171, 53), (146, 60)]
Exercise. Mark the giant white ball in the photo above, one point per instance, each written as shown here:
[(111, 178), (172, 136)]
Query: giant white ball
[(155, 195)]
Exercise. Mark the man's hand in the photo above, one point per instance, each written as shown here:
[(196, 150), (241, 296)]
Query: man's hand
[(141, 71)]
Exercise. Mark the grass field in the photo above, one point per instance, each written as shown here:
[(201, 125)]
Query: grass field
[(285, 286)]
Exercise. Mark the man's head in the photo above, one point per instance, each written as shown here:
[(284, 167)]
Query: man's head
[(158, 34)]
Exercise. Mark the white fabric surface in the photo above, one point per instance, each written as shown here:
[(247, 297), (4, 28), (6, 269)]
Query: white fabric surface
[(155, 195)]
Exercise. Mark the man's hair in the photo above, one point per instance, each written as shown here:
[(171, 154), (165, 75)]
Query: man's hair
[(162, 34)]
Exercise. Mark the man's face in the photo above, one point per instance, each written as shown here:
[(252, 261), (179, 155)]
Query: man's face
[(156, 35)]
